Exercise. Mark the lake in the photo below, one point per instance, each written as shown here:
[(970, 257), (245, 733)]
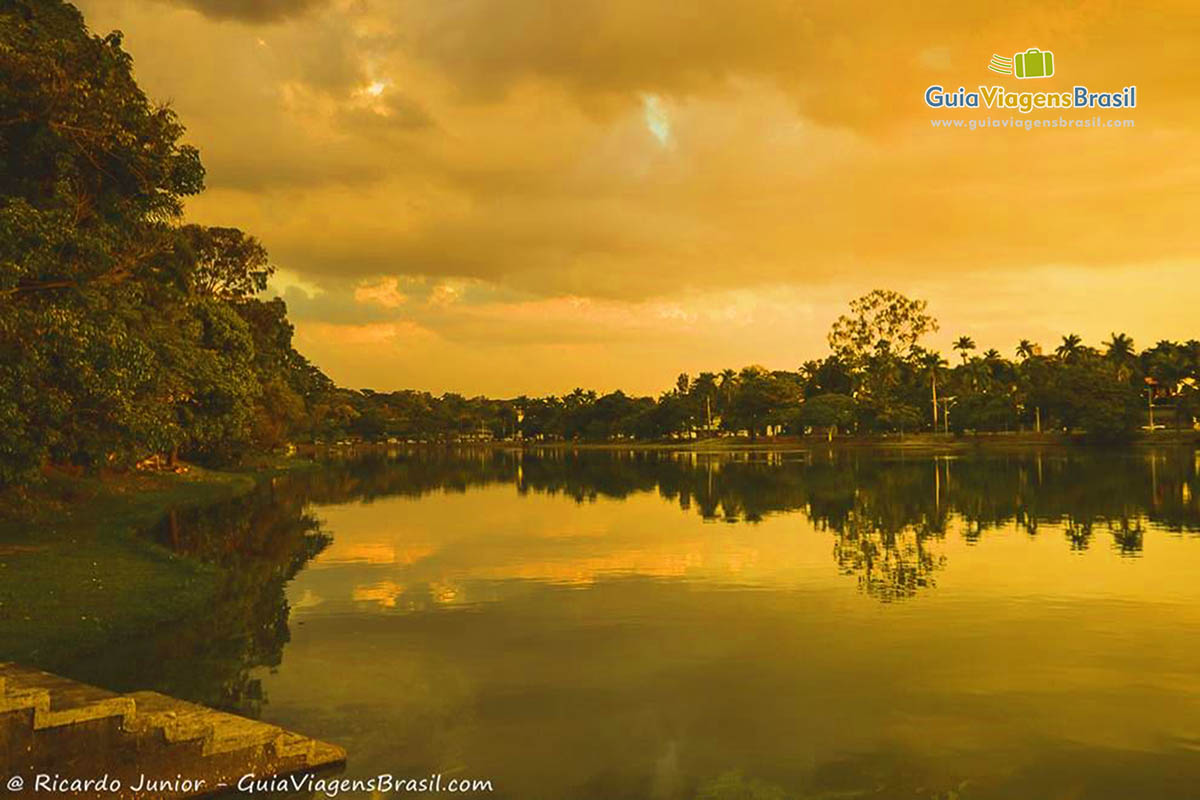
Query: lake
[(679, 625)]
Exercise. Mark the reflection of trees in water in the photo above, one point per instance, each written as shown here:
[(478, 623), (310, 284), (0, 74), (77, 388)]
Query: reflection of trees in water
[(890, 565), (255, 545), (886, 512), (887, 516)]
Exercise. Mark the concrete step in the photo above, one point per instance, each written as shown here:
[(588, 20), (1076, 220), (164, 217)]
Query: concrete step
[(49, 721), (36, 699), (182, 721), (293, 745), (58, 701), (178, 721)]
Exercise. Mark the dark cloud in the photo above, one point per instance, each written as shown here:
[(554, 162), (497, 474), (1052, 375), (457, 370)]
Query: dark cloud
[(257, 11)]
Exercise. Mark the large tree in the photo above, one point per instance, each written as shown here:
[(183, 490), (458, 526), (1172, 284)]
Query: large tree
[(122, 334), (92, 178), (882, 321)]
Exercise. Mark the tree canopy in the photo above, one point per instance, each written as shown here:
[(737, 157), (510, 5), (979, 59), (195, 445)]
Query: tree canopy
[(122, 332)]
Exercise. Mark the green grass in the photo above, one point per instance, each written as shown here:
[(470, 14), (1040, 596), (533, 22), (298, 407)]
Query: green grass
[(75, 575)]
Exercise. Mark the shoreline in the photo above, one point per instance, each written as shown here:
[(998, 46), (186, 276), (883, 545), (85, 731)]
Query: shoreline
[(77, 573), (912, 443)]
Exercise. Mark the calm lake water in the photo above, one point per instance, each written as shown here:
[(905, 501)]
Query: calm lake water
[(751, 625)]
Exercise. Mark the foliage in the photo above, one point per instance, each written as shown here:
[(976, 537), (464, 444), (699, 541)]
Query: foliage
[(763, 398), (830, 411), (883, 321), (122, 334)]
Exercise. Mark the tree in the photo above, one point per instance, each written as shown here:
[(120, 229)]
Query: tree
[(1119, 351), (1027, 349), (963, 345), (1035, 382), (93, 172), (829, 411), (984, 411), (932, 362), (122, 333), (1105, 408), (884, 321), (291, 386), (900, 416), (227, 263), (92, 181), (1070, 348), (729, 381), (762, 398), (830, 375), (706, 388)]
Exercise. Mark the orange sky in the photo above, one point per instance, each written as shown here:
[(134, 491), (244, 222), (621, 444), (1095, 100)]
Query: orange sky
[(515, 196)]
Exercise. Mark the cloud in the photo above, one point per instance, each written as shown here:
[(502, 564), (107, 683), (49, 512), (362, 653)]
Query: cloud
[(256, 11), (285, 281), (657, 120), (386, 292), (496, 157)]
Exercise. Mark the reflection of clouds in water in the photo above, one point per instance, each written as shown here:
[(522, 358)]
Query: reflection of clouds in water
[(389, 594), (453, 571), (353, 552), (307, 599), (384, 593)]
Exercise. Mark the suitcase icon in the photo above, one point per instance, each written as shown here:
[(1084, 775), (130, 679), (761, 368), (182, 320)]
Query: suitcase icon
[(1034, 63)]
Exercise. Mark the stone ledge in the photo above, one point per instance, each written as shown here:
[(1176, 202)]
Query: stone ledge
[(53, 725)]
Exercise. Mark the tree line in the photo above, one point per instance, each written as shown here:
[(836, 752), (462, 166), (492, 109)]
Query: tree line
[(126, 333), (877, 379)]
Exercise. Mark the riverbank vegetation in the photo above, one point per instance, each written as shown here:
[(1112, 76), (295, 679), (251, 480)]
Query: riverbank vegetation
[(127, 335), (185, 571)]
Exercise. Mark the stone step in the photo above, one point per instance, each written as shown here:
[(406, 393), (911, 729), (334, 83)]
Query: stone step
[(292, 745), (58, 701), (16, 700), (178, 721), (182, 721), (139, 733)]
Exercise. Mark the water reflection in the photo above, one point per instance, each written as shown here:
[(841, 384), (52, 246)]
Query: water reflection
[(886, 514), (890, 492), (685, 625), (252, 547)]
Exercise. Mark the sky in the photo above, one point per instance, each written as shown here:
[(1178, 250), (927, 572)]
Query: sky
[(520, 197)]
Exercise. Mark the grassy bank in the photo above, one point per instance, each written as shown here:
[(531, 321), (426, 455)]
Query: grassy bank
[(74, 572)]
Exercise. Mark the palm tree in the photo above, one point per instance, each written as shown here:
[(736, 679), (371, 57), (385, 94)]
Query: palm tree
[(1119, 350), (991, 354), (933, 361), (1070, 347), (964, 344), (706, 385), (728, 383), (1026, 349)]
